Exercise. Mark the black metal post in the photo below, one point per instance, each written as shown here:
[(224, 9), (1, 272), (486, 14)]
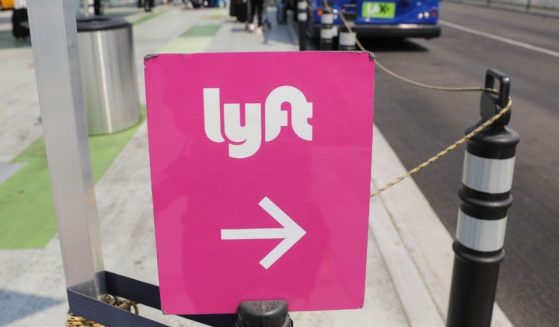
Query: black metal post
[(482, 218), (302, 22), (263, 314), (327, 30)]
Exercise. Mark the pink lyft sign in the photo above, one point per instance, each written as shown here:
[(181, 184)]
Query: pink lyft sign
[(260, 167)]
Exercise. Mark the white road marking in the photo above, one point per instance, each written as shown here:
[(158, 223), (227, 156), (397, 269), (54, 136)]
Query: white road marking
[(501, 39)]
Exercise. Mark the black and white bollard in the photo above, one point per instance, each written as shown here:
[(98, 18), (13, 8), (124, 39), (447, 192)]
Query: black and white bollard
[(97, 7), (346, 41), (263, 314), (281, 11), (327, 30), (302, 21), (482, 218)]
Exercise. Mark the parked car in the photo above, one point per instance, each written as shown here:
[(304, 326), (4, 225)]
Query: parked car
[(384, 18)]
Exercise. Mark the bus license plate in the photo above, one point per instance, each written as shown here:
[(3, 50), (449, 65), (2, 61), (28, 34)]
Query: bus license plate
[(384, 10)]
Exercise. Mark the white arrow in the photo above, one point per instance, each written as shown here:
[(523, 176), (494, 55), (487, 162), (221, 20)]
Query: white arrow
[(291, 233)]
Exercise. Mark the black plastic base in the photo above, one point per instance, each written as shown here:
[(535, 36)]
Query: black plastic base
[(474, 284), (326, 44), (302, 37), (272, 313)]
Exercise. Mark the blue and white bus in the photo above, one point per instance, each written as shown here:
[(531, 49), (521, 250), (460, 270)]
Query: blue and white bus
[(384, 18)]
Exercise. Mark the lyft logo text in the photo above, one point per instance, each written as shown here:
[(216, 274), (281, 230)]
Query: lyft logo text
[(245, 139)]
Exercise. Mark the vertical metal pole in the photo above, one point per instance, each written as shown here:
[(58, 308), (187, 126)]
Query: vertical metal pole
[(55, 53), (529, 5), (327, 30), (263, 314), (302, 20), (482, 218)]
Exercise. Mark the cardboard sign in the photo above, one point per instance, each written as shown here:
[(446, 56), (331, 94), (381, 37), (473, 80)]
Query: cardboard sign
[(260, 166)]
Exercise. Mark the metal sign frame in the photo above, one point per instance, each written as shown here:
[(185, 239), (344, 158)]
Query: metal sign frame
[(55, 51)]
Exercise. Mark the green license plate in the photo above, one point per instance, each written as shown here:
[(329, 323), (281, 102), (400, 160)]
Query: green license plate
[(384, 10)]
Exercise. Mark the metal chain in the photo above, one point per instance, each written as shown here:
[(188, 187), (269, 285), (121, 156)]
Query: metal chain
[(77, 321), (430, 87)]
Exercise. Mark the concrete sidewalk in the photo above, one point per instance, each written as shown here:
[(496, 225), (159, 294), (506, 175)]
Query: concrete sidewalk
[(409, 253)]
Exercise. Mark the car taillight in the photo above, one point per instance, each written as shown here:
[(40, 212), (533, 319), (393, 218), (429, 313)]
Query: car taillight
[(434, 13), (319, 11)]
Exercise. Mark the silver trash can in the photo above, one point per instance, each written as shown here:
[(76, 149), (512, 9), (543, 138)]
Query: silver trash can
[(108, 74)]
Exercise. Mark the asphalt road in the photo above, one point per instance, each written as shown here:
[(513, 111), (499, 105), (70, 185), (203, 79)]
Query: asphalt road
[(418, 123)]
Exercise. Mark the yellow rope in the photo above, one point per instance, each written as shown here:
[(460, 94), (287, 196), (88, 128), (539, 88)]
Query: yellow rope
[(446, 150), (430, 87), (77, 321)]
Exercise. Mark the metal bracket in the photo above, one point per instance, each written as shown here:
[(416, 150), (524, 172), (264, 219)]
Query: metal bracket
[(250, 313), (139, 292)]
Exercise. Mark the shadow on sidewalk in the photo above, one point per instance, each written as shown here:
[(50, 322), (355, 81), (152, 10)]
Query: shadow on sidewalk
[(8, 41), (15, 306)]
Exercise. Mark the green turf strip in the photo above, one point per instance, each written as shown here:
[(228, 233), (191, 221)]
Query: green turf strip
[(147, 17), (27, 217), (207, 30), (194, 39)]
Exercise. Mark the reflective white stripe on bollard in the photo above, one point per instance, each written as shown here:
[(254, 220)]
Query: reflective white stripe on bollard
[(488, 175), (481, 234), (347, 41), (327, 31), (302, 11), (327, 18)]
